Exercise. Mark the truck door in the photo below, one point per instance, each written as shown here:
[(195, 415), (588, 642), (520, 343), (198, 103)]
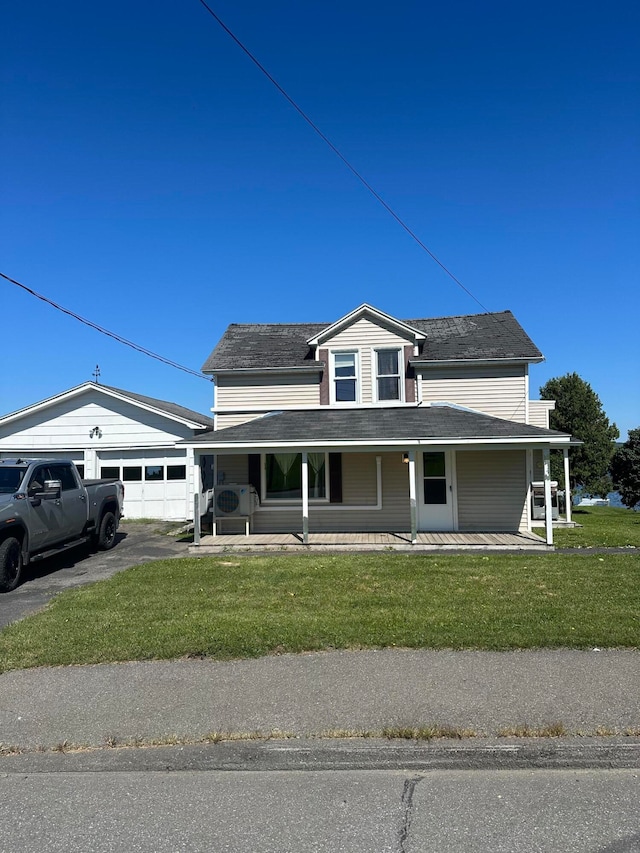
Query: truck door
[(73, 500), (45, 515)]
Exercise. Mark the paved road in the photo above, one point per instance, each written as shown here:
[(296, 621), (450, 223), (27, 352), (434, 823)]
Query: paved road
[(136, 543), (514, 811)]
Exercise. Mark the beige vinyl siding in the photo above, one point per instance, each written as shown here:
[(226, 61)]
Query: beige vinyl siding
[(365, 336), (539, 412), (268, 392), (492, 490), (358, 488), (235, 419), (499, 391), (232, 469)]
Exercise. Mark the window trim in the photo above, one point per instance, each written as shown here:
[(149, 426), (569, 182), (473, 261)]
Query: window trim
[(376, 376), (289, 502), (357, 376)]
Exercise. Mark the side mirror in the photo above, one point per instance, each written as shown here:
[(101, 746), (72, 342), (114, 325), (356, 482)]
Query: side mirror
[(52, 489)]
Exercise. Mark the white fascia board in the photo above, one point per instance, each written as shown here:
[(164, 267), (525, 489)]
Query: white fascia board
[(531, 442), (44, 404), (417, 363), (360, 311), (313, 407)]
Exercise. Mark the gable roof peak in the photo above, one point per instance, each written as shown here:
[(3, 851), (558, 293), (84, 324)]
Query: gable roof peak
[(166, 408), (361, 311)]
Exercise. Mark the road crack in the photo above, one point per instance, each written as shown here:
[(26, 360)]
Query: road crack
[(406, 802)]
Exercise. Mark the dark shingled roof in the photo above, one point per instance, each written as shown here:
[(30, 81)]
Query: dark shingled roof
[(404, 423), (253, 346), (475, 336), (164, 406)]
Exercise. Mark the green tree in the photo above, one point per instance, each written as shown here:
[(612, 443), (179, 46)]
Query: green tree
[(579, 412), (625, 469)]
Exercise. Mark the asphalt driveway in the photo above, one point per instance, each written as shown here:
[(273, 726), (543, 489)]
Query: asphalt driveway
[(135, 544)]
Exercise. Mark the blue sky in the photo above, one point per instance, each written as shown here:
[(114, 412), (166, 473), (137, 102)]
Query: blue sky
[(156, 183)]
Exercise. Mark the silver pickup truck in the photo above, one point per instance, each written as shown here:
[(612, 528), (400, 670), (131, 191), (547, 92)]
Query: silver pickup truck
[(46, 508)]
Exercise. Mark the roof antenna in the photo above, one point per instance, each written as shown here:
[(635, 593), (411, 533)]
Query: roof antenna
[(96, 374)]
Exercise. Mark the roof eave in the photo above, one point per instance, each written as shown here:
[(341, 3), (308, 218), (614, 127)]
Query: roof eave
[(430, 362), (312, 367), (555, 442)]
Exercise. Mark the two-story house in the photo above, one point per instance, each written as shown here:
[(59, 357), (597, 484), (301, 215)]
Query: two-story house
[(376, 424)]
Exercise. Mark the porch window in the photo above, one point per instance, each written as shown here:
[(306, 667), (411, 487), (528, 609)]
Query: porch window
[(345, 377), (388, 374), (283, 476)]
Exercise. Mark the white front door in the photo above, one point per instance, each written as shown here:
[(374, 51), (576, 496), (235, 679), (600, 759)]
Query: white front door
[(435, 490)]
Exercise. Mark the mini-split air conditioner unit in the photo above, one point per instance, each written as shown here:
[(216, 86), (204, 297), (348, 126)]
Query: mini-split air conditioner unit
[(233, 499)]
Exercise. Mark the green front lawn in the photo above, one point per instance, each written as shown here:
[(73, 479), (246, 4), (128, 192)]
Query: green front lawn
[(237, 607), (602, 526)]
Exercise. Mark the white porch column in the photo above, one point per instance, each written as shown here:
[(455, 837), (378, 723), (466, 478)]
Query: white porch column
[(196, 497), (305, 497), (548, 510), (567, 487), (412, 497)]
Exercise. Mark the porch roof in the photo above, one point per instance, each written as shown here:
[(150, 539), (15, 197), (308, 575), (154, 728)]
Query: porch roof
[(371, 427)]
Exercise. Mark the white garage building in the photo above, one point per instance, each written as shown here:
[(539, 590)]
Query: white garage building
[(109, 432)]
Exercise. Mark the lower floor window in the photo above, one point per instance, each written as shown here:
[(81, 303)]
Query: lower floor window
[(283, 476)]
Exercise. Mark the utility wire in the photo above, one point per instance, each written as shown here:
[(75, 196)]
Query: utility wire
[(106, 332), (335, 150)]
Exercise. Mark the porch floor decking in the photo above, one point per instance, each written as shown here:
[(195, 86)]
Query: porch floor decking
[(445, 541)]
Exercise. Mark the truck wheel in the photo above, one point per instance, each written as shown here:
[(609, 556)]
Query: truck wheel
[(10, 564), (107, 533)]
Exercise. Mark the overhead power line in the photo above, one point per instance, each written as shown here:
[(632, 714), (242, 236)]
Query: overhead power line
[(106, 332), (339, 154)]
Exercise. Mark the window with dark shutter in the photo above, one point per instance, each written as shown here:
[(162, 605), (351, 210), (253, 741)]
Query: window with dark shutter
[(335, 478), (254, 471)]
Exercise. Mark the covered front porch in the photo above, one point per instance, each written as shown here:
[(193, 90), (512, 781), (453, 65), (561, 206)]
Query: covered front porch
[(406, 477), (366, 541)]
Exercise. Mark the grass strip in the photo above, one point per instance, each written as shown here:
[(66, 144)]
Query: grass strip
[(601, 527), (225, 608), (417, 733)]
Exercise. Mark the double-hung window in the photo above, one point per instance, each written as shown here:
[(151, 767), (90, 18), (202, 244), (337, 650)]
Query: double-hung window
[(345, 377), (283, 476), (388, 374)]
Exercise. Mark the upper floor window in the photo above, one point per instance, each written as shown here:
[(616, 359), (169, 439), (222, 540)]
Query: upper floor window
[(388, 375), (345, 377)]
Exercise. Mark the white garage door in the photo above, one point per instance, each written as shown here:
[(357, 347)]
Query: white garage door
[(155, 481)]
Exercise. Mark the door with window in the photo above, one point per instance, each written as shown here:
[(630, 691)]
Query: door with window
[(435, 490)]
